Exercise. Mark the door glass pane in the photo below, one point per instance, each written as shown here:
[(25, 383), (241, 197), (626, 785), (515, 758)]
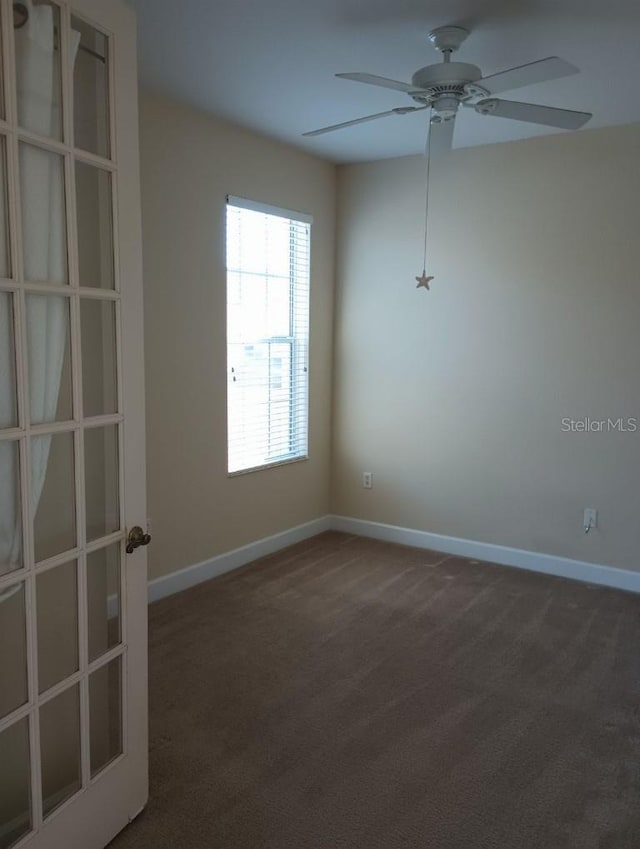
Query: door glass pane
[(44, 226), (53, 494), (15, 784), (8, 405), (10, 524), (60, 749), (103, 600), (57, 604), (91, 89), (38, 70), (99, 381), (95, 226), (105, 714), (13, 645), (5, 266), (101, 481), (49, 347)]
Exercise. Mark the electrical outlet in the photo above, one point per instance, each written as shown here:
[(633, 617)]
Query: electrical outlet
[(367, 480), (590, 519)]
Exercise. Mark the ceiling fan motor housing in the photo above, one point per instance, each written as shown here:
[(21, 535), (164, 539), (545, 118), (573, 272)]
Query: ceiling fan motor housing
[(444, 86), (449, 77)]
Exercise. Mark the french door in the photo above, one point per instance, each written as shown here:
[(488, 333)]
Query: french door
[(73, 675)]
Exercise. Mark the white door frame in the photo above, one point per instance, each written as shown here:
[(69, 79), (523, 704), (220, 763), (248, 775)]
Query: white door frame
[(107, 802)]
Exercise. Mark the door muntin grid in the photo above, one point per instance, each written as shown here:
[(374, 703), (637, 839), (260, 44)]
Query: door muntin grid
[(60, 693)]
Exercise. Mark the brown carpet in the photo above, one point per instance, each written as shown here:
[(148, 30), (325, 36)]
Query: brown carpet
[(349, 693)]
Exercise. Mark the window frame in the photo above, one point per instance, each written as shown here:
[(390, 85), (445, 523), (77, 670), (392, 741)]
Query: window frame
[(297, 339)]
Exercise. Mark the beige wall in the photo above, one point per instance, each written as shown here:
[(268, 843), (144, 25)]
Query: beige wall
[(454, 398), (190, 162)]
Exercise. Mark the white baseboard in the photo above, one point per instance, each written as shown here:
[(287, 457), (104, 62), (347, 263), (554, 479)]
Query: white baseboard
[(578, 570), (175, 582), (592, 573)]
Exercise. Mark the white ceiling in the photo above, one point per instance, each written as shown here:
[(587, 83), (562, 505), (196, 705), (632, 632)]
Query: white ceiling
[(269, 64)]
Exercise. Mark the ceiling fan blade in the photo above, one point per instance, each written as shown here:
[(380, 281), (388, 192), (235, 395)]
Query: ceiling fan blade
[(565, 119), (372, 79), (399, 110), (349, 123), (441, 133), (535, 72)]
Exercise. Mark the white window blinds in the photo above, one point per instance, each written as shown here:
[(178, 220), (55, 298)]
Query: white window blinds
[(267, 334)]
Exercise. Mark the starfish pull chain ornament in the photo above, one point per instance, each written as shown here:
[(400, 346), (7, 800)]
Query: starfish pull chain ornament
[(423, 281)]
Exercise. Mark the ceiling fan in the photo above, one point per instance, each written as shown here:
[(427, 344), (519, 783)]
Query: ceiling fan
[(446, 86)]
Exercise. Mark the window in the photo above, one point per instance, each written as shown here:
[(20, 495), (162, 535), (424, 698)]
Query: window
[(267, 334)]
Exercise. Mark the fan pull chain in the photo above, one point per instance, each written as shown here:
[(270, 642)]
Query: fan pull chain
[(424, 279)]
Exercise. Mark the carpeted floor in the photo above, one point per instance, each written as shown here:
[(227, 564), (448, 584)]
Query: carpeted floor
[(351, 694)]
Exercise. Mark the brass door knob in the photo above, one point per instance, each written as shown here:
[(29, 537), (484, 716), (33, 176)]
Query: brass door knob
[(136, 538)]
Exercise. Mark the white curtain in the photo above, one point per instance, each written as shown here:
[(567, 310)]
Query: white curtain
[(45, 260)]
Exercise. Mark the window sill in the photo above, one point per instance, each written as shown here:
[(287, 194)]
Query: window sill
[(275, 464)]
